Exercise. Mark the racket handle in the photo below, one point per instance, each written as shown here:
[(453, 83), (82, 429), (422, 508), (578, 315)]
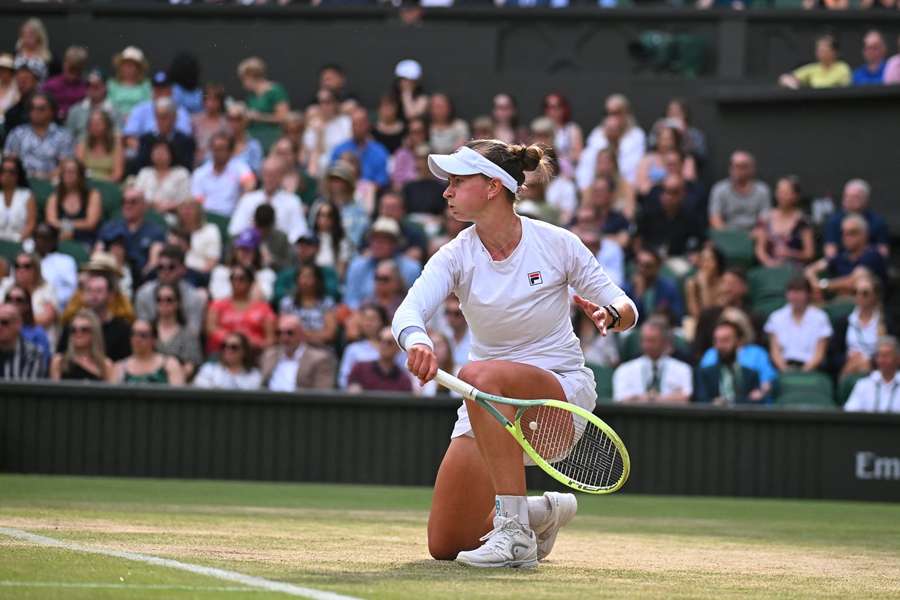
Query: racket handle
[(457, 385)]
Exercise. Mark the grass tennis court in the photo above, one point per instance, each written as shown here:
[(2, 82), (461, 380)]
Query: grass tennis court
[(369, 542)]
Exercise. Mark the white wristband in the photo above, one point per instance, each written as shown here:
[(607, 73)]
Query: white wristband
[(416, 337)]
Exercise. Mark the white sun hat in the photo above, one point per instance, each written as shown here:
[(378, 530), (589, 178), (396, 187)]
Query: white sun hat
[(466, 161), (408, 69)]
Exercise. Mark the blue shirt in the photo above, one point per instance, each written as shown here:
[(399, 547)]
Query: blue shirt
[(137, 243), (37, 336), (842, 265), (878, 231), (863, 76), (373, 159), (361, 277), (663, 295), (750, 356), (191, 101), (142, 120)]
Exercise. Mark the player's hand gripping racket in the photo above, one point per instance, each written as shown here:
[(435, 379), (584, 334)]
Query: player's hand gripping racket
[(572, 445)]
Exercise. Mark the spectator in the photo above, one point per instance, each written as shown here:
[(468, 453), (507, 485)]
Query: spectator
[(390, 289), (184, 72), (856, 200), (423, 195), (333, 78), (827, 72), (146, 365), (678, 115), (728, 382), (27, 275), (296, 180), (413, 239), (205, 241), (505, 113), (98, 293), (606, 250), (668, 226), (274, 247), (240, 313), (599, 350), (246, 148), (33, 42), (654, 377), (104, 264), (373, 157), (701, 288), (457, 331), (268, 101), (174, 338), (533, 202), (859, 258), (390, 129), (651, 170), (289, 216), (9, 91), (306, 250), (738, 202), (182, 145), (624, 197), (58, 269), (865, 325), (163, 184), (444, 357), (235, 370), (41, 144), (446, 132), (892, 69), (18, 209), (143, 238), (798, 332), (651, 292), (412, 100), (381, 374), (874, 52), (404, 168), (96, 99), (783, 234), (310, 304), (28, 77), (610, 222), (334, 249), (84, 357), (340, 185), (101, 149), (568, 139), (325, 132), (170, 270), (69, 87), (372, 320), (695, 198), (293, 364), (218, 184), (878, 392), (130, 86), (142, 118), (19, 359), (749, 354), (74, 208), (293, 127), (245, 251), (620, 132), (383, 243), (560, 192), (210, 121), (31, 332)]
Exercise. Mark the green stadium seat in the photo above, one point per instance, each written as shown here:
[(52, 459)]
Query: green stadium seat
[(736, 245), (845, 387), (767, 288), (110, 196), (41, 188), (805, 390), (222, 223), (838, 309), (74, 249), (9, 250), (154, 217), (603, 377)]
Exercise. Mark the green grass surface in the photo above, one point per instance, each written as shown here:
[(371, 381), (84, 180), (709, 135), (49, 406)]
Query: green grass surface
[(369, 542)]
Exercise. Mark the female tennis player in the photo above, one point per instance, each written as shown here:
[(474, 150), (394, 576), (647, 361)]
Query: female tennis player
[(512, 277)]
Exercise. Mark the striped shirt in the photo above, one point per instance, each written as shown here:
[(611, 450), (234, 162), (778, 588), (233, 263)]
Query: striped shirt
[(40, 155), (25, 362)]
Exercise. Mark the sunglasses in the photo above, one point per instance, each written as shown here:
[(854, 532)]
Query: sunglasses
[(81, 329), (166, 299), (142, 334), (387, 341), (453, 313), (167, 267), (383, 278), (851, 232), (287, 332), (232, 347), (10, 171), (238, 278), (27, 265), (18, 299)]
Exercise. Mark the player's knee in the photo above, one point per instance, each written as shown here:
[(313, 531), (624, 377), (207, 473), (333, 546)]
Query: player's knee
[(441, 547), (482, 374)]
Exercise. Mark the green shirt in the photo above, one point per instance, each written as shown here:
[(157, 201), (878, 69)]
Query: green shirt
[(126, 97), (815, 75), (265, 103)]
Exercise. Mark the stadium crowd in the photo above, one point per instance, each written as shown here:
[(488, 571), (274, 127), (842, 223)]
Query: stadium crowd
[(156, 230)]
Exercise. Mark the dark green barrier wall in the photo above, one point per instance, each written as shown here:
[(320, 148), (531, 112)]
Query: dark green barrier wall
[(159, 432)]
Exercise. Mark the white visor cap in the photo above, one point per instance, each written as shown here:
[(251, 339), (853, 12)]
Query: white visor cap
[(466, 161)]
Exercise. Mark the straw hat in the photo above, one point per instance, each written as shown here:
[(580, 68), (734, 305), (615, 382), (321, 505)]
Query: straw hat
[(133, 54), (102, 262)]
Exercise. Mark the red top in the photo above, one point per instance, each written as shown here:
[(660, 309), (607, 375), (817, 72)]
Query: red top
[(251, 321)]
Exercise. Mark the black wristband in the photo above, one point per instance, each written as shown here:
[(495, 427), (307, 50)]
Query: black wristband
[(614, 313)]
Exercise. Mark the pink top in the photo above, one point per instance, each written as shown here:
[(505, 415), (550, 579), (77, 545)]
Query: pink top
[(251, 322), (892, 70)]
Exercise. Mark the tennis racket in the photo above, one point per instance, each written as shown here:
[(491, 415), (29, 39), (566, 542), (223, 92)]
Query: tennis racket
[(570, 444)]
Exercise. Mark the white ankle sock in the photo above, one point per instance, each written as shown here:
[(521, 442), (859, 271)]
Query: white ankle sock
[(538, 510), (513, 506)]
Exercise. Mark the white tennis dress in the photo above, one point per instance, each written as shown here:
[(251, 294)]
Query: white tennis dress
[(518, 308)]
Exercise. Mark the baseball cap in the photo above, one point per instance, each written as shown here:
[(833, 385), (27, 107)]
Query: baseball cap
[(161, 79), (249, 238)]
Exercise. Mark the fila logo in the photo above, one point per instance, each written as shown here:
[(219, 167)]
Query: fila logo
[(534, 278)]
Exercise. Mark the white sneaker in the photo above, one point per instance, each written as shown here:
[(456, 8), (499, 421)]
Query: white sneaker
[(562, 509), (509, 544)]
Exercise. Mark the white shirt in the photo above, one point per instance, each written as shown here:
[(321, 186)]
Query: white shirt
[(633, 377), (862, 338), (874, 394), (798, 340), (517, 309), (206, 244), (612, 258), (214, 375), (61, 271), (562, 194), (284, 376), (13, 217), (288, 208), (219, 192), (631, 150), (334, 132), (176, 186)]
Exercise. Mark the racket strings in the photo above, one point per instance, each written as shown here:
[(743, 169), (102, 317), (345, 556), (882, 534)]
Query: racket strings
[(575, 447)]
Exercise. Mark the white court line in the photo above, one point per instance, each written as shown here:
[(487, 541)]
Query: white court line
[(126, 586), (233, 576)]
